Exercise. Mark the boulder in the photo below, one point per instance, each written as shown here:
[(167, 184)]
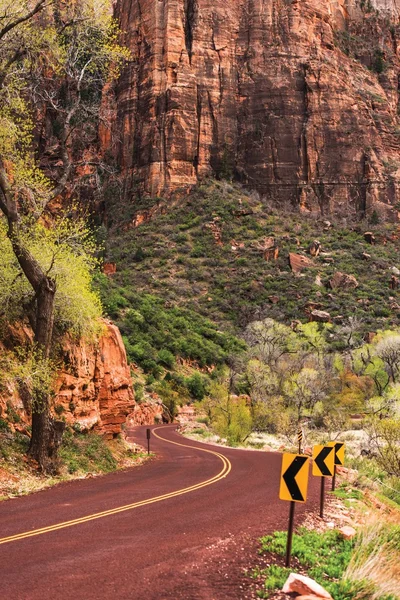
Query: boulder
[(305, 586), (343, 281), (298, 262), (315, 248), (347, 532), (320, 316), (271, 254), (318, 281), (109, 268)]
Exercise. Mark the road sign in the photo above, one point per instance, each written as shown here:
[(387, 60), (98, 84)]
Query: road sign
[(339, 453), (300, 437), (294, 478), (339, 459), (323, 461)]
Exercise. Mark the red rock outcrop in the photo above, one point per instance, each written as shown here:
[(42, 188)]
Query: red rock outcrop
[(94, 387), (298, 99), (93, 390)]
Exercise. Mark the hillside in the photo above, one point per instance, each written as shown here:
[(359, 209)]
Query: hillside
[(222, 253)]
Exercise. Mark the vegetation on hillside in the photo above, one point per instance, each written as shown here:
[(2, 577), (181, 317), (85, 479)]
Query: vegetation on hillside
[(207, 253), (365, 568), (204, 279)]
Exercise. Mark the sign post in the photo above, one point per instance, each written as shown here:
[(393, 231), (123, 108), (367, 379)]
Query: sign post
[(339, 460), (148, 441), (293, 488), (300, 437), (323, 466)]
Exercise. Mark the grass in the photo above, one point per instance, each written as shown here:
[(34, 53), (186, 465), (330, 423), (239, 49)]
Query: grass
[(348, 570), (82, 453), (376, 559)]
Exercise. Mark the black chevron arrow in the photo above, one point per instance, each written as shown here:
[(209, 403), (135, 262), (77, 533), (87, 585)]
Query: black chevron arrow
[(320, 460), (289, 478), (338, 446)]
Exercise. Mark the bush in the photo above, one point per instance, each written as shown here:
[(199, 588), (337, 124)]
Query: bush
[(86, 453), (197, 386), (166, 359)]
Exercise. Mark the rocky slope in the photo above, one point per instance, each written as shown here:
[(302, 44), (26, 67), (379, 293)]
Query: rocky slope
[(297, 99)]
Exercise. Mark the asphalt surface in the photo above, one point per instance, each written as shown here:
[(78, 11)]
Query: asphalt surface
[(183, 526)]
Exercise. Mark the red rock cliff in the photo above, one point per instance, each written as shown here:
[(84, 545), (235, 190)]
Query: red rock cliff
[(270, 91), (93, 389)]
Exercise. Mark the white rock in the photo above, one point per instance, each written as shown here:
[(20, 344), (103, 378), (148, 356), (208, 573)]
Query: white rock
[(347, 532), (304, 585)]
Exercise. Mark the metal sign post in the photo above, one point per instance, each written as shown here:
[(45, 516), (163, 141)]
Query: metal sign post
[(148, 441), (323, 466), (293, 487)]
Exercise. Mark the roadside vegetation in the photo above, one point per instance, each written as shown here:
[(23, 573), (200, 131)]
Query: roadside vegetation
[(80, 455), (365, 568)]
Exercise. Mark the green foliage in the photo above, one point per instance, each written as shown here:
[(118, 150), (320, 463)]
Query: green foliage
[(197, 386), (66, 253), (325, 556), (155, 333), (86, 453), (4, 426), (229, 287)]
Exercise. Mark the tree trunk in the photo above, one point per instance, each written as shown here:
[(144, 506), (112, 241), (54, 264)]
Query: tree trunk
[(46, 433)]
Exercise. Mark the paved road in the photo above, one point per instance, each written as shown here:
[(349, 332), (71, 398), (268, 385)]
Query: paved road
[(180, 527)]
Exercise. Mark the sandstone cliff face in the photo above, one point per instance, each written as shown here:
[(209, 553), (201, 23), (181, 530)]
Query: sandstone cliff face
[(93, 390), (269, 91)]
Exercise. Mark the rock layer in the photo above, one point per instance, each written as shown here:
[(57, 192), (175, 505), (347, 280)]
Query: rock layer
[(297, 99)]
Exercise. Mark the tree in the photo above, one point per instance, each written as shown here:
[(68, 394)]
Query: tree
[(54, 59), (303, 390)]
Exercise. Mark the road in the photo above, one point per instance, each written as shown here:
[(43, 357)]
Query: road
[(183, 526)]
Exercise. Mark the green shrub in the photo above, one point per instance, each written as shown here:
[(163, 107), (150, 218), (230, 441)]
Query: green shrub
[(197, 386), (166, 358), (86, 453)]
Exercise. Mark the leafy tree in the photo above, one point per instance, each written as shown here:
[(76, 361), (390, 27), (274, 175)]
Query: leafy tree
[(303, 390), (385, 439), (54, 59)]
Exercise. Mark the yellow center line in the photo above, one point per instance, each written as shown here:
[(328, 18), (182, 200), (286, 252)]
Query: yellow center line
[(113, 511)]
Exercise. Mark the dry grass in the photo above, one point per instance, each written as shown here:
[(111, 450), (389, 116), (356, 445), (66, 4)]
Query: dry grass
[(376, 558)]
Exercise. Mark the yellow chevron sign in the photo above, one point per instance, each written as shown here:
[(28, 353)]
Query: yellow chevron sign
[(323, 461), (339, 453), (294, 477)]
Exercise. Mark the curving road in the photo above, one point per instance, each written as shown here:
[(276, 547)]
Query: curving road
[(183, 526)]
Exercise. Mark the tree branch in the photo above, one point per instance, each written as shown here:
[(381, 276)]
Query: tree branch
[(39, 6)]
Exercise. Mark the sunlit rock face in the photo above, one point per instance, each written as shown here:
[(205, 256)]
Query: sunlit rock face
[(267, 91)]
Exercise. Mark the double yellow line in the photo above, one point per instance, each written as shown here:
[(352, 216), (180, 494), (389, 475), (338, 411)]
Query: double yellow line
[(226, 468)]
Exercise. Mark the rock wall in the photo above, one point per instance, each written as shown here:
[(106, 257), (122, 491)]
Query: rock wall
[(93, 390), (266, 91)]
